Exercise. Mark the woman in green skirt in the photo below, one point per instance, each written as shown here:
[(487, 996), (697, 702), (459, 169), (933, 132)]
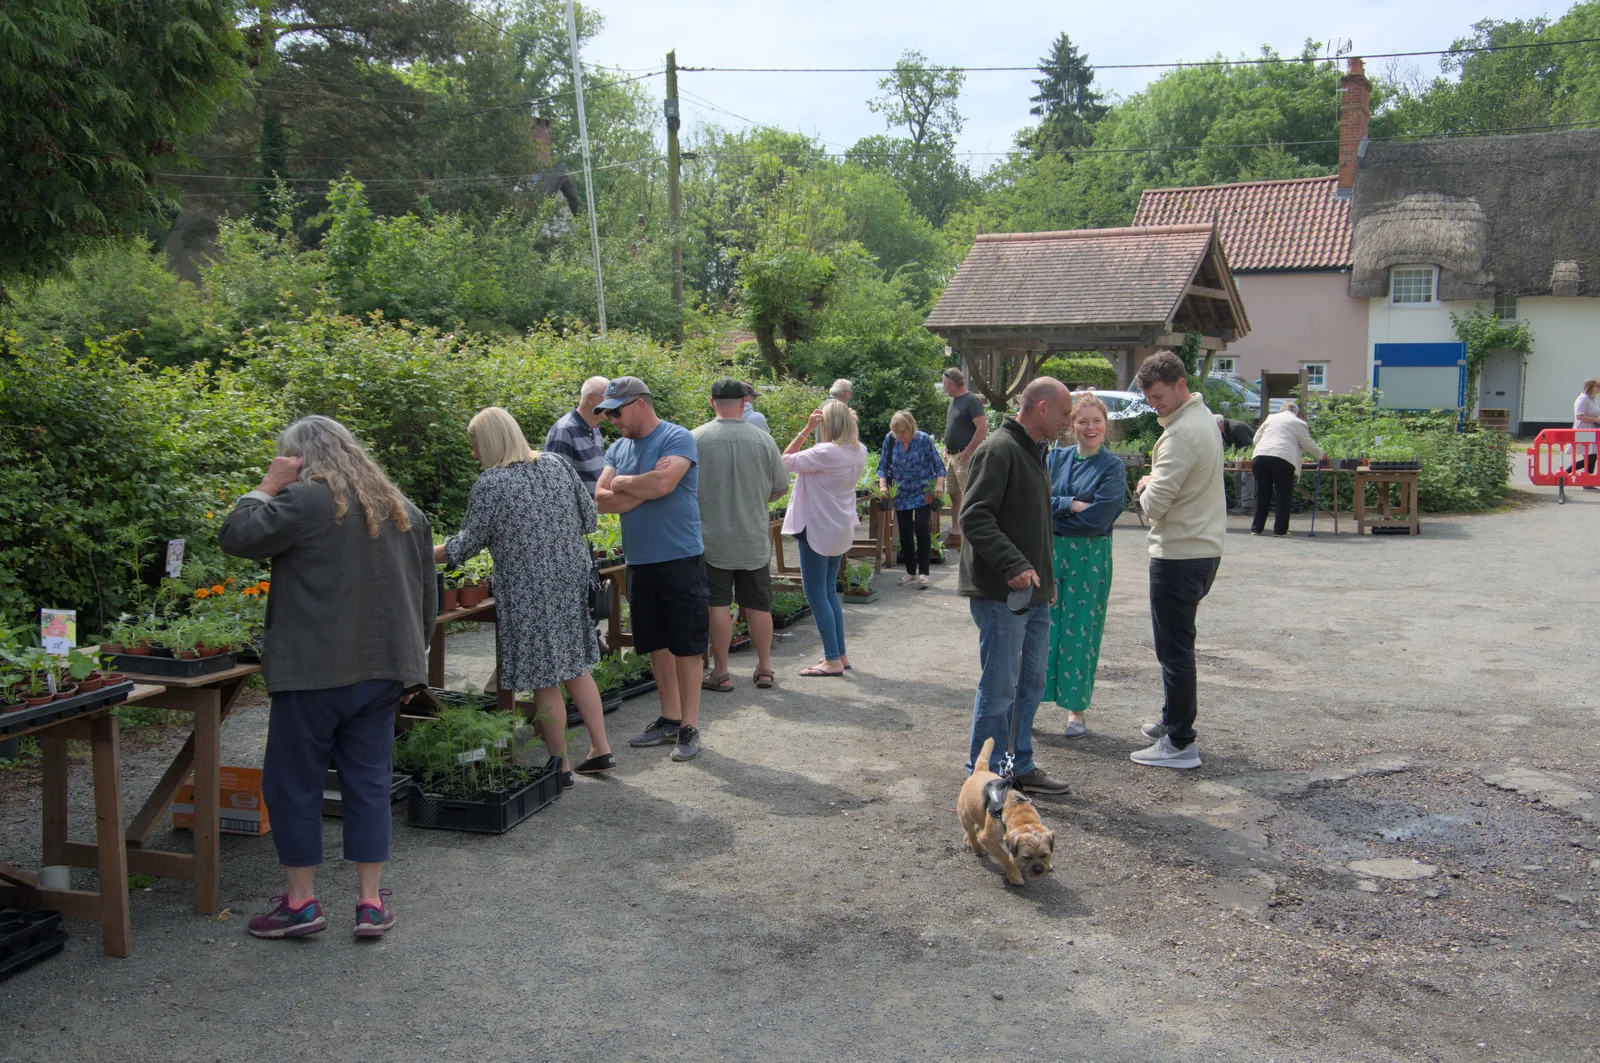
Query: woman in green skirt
[(1088, 489)]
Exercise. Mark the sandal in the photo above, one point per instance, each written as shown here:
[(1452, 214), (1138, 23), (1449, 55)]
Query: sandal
[(764, 678), (904, 580), (721, 683), (819, 673), (922, 583), (822, 662)]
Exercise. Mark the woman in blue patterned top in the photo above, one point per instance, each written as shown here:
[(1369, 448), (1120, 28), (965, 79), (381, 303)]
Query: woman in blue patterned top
[(910, 463), (1088, 490)]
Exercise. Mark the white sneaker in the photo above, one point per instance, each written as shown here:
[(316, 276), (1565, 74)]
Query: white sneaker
[(1153, 730), (1166, 755)]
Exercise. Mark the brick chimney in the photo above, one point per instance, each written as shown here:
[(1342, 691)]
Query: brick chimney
[(543, 152), (1355, 111)]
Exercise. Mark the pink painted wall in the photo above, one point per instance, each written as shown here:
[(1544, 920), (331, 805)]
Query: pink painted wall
[(1302, 317)]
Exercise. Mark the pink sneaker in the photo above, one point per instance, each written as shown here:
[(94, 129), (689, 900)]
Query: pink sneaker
[(286, 922), (372, 920)]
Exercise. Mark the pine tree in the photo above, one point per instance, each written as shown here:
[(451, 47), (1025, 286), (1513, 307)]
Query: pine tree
[(1067, 103)]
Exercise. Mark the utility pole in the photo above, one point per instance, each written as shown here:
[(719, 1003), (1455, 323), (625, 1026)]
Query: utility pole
[(588, 181), (674, 197)]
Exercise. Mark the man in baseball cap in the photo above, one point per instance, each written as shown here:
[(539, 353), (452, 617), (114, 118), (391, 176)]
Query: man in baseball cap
[(622, 391)]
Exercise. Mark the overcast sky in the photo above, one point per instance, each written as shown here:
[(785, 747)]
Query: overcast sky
[(785, 33)]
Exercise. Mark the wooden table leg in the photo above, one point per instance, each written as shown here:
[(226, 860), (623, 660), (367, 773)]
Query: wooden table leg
[(54, 770), (116, 937), (436, 657), (207, 798)]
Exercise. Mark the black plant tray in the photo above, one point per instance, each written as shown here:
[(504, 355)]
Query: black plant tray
[(783, 623), (492, 814), (43, 950), (611, 700), (28, 936), (740, 644), (56, 711), (194, 667), (1395, 466), (333, 800)]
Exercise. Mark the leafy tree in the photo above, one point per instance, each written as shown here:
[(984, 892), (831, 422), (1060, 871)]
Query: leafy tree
[(921, 100), (97, 98), (1067, 104)]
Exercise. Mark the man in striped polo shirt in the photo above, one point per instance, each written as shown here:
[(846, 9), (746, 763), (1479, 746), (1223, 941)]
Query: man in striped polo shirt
[(576, 435)]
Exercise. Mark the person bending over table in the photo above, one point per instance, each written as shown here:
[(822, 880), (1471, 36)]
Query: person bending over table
[(352, 608), (1280, 441)]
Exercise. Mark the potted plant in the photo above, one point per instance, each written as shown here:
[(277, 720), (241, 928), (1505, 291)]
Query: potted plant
[(856, 584), (474, 771), (788, 608), (480, 570), (450, 601), (181, 637), (469, 592), (605, 543)]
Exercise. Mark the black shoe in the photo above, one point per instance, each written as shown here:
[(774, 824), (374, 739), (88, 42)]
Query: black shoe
[(567, 781), (1037, 782), (657, 734), (688, 746), (596, 765)]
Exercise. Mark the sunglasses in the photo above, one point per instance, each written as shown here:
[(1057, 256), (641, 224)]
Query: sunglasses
[(616, 412)]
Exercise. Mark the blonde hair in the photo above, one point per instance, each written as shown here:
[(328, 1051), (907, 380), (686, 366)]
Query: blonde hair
[(903, 421), (1590, 384), (331, 455), (499, 438), (839, 424), (1089, 400)]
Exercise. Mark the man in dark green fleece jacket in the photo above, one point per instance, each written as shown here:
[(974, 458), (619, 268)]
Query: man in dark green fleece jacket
[(1005, 547)]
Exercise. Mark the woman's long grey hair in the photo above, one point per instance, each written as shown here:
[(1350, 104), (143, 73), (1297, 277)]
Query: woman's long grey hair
[(332, 455)]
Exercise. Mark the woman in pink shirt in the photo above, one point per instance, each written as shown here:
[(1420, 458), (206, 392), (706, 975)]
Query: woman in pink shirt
[(822, 517)]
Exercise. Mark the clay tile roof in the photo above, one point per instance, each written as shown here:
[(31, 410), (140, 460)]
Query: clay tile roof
[(1266, 225), (1080, 277)]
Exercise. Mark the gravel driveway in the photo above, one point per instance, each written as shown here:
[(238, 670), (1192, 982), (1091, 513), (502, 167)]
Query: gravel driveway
[(1390, 853)]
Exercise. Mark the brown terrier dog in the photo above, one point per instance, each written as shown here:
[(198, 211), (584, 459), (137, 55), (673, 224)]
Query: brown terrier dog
[(1016, 838)]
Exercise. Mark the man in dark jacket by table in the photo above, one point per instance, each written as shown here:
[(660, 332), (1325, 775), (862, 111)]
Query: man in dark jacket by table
[(1005, 547), (1239, 435), (351, 611)]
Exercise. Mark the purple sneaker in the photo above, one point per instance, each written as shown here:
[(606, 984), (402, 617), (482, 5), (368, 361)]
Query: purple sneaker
[(373, 919), (286, 922)]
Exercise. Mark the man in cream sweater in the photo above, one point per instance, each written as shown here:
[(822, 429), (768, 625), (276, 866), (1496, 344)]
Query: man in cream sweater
[(1184, 500)]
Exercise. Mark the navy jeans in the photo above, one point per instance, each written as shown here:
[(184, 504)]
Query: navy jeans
[(819, 575), (349, 729), (1176, 588), (1014, 653)]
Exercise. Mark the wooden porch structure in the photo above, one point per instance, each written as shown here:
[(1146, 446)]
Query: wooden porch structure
[(1018, 298)]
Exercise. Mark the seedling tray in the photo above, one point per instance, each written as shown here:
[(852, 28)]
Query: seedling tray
[(28, 936), (171, 667), (784, 623), (56, 711), (611, 700), (859, 599), (333, 798), (488, 813)]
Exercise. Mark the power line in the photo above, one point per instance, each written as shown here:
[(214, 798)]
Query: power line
[(1044, 67)]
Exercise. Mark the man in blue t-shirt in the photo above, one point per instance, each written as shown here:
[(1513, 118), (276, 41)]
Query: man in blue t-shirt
[(651, 479)]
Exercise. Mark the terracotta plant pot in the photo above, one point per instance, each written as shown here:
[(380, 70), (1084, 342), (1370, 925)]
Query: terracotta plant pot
[(470, 597), (488, 586), (211, 651), (449, 601), (111, 679), (70, 690), (138, 649), (184, 655), (86, 686), (34, 702), (113, 647), (18, 707)]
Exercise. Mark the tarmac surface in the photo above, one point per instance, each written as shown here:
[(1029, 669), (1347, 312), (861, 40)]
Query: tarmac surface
[(1391, 852)]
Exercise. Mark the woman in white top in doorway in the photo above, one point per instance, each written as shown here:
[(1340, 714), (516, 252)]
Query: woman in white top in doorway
[(1280, 441), (1586, 415)]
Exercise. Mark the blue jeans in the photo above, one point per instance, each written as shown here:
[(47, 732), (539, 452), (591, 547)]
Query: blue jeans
[(1014, 653), (819, 575), (350, 729)]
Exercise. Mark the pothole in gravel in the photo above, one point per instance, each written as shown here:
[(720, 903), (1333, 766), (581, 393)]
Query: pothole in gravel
[(1427, 855)]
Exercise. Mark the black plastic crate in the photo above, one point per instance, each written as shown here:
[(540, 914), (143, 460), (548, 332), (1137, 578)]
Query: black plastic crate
[(171, 667), (494, 814), (784, 623), (333, 799), (56, 711), (28, 936)]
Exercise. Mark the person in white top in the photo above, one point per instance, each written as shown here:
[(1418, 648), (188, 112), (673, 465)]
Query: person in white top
[(1280, 441), (1586, 415)]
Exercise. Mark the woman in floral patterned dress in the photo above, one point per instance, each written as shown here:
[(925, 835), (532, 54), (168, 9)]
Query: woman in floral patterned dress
[(1088, 490)]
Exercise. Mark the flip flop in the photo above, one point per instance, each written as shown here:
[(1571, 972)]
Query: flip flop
[(764, 678), (817, 673), (848, 667), (722, 684)]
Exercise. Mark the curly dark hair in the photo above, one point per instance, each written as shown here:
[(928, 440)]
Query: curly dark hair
[(1163, 367)]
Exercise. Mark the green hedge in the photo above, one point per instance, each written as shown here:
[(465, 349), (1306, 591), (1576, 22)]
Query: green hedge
[(1092, 370)]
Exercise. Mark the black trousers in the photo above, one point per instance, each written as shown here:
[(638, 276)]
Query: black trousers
[(1176, 587), (1274, 476), (914, 526)]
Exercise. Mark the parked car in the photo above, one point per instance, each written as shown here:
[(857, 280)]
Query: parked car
[(1123, 405), (1246, 390)]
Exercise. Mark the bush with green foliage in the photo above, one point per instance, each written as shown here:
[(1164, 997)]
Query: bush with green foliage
[(1090, 370)]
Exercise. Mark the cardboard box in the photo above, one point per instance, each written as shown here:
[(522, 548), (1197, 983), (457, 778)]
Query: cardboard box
[(242, 809)]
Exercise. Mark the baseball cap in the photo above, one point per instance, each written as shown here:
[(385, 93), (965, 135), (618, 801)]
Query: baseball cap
[(621, 391), (727, 388)]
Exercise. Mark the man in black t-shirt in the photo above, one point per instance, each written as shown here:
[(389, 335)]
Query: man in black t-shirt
[(965, 425), (1239, 435)]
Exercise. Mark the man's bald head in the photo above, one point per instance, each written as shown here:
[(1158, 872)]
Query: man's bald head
[(1046, 408)]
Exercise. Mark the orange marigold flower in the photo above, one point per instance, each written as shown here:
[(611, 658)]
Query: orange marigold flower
[(209, 514), (229, 581), (218, 589), (202, 593), (265, 585)]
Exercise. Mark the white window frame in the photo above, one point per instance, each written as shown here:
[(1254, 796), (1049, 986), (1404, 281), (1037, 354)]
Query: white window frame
[(1503, 303), (1432, 299), (1307, 367), (1225, 364)]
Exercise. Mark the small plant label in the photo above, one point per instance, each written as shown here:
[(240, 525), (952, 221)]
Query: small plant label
[(472, 756), (174, 557), (58, 630)]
